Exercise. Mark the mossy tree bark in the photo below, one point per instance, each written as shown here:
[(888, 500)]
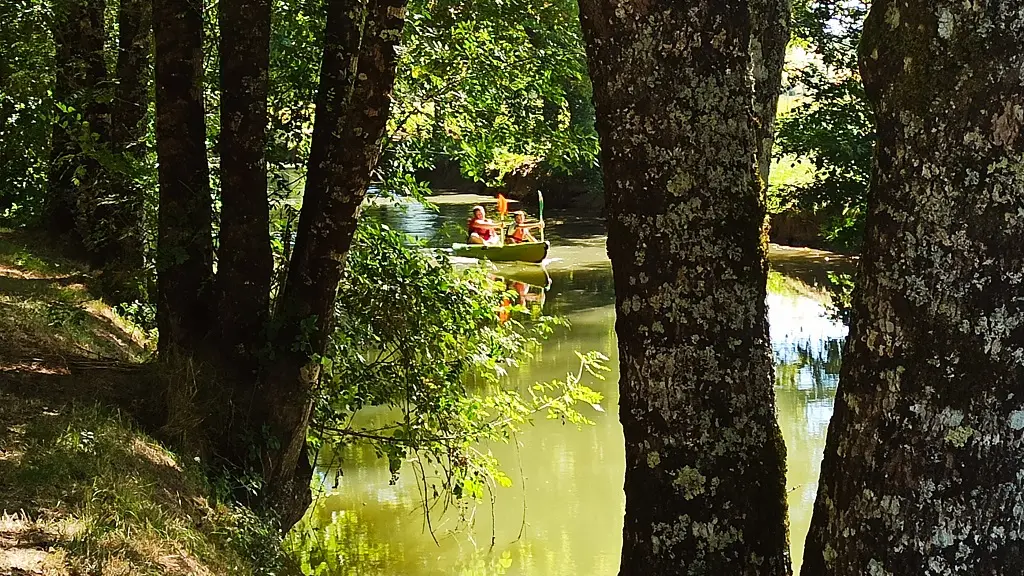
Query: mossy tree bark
[(922, 468), (245, 261), (353, 106), (184, 235), (705, 460)]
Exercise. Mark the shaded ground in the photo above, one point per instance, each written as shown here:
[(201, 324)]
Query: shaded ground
[(84, 488)]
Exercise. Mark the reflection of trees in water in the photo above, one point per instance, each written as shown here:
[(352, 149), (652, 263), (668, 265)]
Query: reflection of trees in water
[(573, 291), (331, 542), (338, 543), (811, 367)]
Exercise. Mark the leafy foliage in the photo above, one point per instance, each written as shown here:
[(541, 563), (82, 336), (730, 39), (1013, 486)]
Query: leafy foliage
[(833, 125), (26, 78), (493, 85), (422, 345)]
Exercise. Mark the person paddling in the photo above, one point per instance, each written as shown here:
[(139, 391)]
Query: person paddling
[(481, 229), (521, 230)]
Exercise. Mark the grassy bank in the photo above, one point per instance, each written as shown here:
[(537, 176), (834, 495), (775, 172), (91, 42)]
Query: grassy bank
[(85, 488)]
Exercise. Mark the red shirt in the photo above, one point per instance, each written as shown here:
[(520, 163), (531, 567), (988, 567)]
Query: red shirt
[(485, 232)]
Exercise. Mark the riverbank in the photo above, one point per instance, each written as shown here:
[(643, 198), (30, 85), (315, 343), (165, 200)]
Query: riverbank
[(85, 486)]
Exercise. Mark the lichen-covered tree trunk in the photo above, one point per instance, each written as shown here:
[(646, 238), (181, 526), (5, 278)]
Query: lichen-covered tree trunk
[(353, 105), (768, 41), (184, 242), (122, 256), (705, 460), (923, 464), (244, 258)]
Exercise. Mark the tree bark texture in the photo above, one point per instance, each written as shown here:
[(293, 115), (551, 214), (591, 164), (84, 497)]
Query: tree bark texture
[(770, 26), (122, 255), (185, 246), (244, 258), (81, 71), (923, 464), (352, 110), (705, 460)]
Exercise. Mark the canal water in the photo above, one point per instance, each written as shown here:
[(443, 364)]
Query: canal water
[(563, 513)]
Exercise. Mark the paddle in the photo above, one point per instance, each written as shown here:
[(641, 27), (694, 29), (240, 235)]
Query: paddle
[(540, 210), (502, 211)]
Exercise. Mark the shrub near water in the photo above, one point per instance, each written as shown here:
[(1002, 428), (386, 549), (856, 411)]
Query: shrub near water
[(420, 345)]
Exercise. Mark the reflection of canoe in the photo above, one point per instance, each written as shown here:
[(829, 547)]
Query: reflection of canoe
[(526, 252), (532, 275)]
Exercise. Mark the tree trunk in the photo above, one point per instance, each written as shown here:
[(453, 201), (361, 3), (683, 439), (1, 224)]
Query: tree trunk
[(351, 115), (185, 246), (705, 460), (79, 37), (922, 467), (60, 202), (244, 258), (769, 38), (122, 256)]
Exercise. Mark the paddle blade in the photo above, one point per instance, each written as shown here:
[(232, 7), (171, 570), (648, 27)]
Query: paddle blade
[(540, 212), (502, 205)]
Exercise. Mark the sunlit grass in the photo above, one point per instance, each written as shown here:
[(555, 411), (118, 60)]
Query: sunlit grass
[(791, 170), (113, 499)]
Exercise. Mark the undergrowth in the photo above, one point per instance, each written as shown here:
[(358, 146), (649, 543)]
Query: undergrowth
[(114, 501)]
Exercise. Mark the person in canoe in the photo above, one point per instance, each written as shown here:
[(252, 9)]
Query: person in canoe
[(520, 231), (481, 229)]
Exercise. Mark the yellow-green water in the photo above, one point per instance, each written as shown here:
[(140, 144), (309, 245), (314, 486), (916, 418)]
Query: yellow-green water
[(563, 514)]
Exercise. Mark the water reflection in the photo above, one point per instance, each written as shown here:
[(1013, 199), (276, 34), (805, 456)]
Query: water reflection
[(563, 514)]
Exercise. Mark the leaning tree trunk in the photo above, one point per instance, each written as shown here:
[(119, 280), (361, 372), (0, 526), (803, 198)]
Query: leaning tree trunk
[(122, 256), (244, 258), (922, 468), (184, 243), (768, 41), (705, 460), (351, 115)]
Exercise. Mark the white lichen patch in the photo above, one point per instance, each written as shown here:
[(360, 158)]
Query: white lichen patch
[(1017, 420)]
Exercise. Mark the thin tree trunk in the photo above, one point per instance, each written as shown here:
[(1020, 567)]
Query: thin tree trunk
[(351, 115), (123, 255), (185, 246), (245, 261), (705, 460), (768, 41), (922, 467), (64, 150), (79, 35)]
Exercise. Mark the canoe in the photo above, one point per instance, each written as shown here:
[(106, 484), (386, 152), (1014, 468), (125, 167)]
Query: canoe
[(533, 252)]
